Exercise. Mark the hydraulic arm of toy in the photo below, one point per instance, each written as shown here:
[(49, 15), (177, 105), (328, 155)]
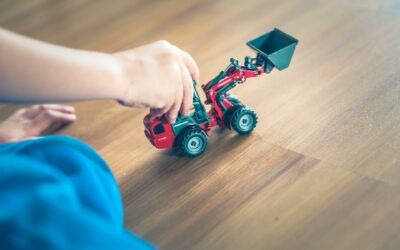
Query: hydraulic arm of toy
[(227, 79), (232, 75)]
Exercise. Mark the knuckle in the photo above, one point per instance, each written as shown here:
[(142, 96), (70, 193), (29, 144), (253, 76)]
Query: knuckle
[(164, 43), (167, 51), (47, 113), (22, 111), (165, 46), (41, 107), (187, 55), (168, 54)]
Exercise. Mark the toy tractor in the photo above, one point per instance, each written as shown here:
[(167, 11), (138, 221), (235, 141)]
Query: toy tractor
[(188, 135)]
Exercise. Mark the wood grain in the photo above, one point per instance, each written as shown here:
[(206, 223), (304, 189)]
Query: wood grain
[(321, 170)]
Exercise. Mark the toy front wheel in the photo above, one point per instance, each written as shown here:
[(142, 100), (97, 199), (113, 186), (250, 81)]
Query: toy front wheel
[(192, 142), (244, 120)]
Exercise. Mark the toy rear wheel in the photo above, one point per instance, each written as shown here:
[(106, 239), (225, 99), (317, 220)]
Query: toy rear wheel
[(244, 120), (192, 142), (234, 100)]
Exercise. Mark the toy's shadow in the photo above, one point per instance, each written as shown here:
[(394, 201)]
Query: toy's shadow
[(166, 174), (55, 129), (220, 145)]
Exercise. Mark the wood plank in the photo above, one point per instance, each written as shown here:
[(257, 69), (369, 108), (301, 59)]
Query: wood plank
[(321, 207)]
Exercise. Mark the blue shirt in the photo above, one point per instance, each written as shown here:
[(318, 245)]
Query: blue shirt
[(58, 193)]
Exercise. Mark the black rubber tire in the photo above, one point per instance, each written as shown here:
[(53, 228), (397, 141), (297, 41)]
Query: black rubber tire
[(192, 142), (234, 100), (244, 120), (229, 114)]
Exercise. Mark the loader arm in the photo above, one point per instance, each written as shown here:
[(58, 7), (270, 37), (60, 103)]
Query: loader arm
[(217, 88)]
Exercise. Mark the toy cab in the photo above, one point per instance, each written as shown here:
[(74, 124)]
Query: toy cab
[(159, 132), (165, 135)]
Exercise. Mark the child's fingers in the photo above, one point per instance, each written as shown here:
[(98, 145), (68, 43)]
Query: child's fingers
[(190, 64), (187, 100), (28, 113), (32, 111), (155, 112), (172, 114), (18, 139), (58, 107), (158, 112), (48, 117)]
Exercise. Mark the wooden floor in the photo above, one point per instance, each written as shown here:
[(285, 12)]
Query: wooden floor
[(321, 170)]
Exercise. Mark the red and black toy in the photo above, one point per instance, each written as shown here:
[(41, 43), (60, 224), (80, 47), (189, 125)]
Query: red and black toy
[(189, 133)]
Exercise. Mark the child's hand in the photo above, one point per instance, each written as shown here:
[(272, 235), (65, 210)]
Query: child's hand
[(32, 121), (159, 76)]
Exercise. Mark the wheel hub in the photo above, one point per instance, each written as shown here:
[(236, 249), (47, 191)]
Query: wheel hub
[(246, 121), (195, 144)]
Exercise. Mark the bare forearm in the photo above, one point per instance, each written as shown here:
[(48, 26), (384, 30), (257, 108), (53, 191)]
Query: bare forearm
[(35, 71), (158, 75)]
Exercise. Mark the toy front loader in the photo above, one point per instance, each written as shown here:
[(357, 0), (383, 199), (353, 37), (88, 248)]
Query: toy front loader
[(189, 133)]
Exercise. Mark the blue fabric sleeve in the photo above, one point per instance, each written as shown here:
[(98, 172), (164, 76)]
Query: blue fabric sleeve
[(57, 193)]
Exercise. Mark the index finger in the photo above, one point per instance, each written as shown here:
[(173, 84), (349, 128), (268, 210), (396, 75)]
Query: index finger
[(190, 64)]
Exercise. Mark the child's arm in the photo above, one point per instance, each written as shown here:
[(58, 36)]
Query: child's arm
[(157, 76)]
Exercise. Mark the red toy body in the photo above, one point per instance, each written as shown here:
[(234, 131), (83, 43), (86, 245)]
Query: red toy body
[(189, 133)]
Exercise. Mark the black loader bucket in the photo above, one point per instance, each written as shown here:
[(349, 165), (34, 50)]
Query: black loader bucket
[(274, 49)]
